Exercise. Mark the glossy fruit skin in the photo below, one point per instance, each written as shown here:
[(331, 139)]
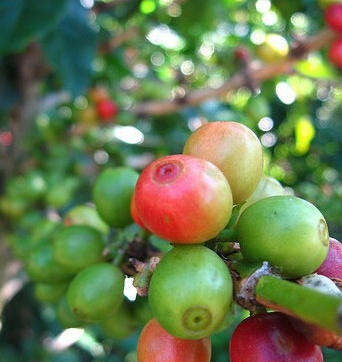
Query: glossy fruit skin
[(134, 213), (335, 53), (287, 231), (96, 292), (106, 109), (43, 268), (332, 265), (183, 199), (333, 17), (77, 247), (270, 337), (66, 317), (190, 291), (112, 195), (234, 149), (142, 310), (267, 187), (273, 48), (156, 345), (50, 293), (121, 324), (86, 215)]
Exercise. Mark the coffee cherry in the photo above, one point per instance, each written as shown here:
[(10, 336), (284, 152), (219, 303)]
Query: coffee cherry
[(134, 213), (66, 317), (190, 291), (183, 199), (332, 265), (335, 53), (287, 231), (267, 187), (86, 215), (270, 337), (96, 292), (50, 292), (43, 268), (77, 247), (106, 109), (121, 324), (112, 195), (155, 344), (234, 149), (333, 17), (242, 54)]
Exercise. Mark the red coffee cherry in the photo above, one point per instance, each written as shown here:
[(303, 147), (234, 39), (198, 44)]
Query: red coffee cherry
[(335, 53), (270, 337), (134, 213), (107, 109), (183, 199), (333, 17), (156, 345)]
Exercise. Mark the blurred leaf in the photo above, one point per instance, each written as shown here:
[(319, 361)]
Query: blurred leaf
[(304, 133), (70, 49), (315, 67), (23, 21), (9, 14)]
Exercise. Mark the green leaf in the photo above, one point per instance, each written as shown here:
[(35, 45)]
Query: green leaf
[(24, 21), (315, 67), (9, 15), (70, 49)]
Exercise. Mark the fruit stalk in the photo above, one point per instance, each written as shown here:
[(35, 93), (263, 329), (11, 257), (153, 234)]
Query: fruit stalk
[(306, 304)]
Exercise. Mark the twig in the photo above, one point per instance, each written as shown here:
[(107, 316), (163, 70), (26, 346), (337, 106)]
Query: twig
[(258, 72), (108, 6), (117, 40)]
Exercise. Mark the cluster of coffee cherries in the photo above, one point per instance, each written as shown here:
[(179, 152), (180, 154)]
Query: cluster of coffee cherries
[(188, 199), (212, 204)]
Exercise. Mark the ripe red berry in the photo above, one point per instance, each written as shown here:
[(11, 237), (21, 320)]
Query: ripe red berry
[(241, 53), (134, 213), (335, 53), (156, 345), (333, 17), (107, 109), (6, 138), (183, 199), (270, 337), (332, 265)]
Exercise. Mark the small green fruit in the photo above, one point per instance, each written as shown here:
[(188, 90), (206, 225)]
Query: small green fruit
[(96, 292), (190, 291), (77, 247), (112, 195), (287, 231), (50, 293)]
